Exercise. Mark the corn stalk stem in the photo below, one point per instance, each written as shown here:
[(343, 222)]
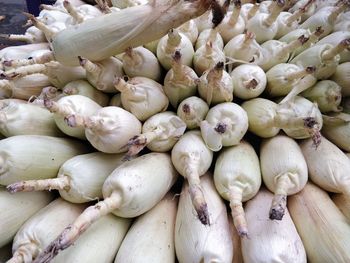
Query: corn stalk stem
[(62, 183), (237, 212), (279, 201), (196, 192), (25, 70), (73, 12), (138, 142)]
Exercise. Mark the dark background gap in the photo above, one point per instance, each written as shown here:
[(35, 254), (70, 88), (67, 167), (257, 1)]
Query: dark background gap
[(14, 20)]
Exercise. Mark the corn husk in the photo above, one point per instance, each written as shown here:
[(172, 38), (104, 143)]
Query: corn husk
[(108, 35), (116, 101), (192, 158), (195, 242), (24, 204), (110, 128), (313, 56), (101, 74), (82, 87), (328, 166), (323, 229), (342, 78), (333, 39), (327, 95), (192, 111), (99, 243), (283, 170), (336, 128), (270, 241), (79, 179), (140, 62), (343, 203), (141, 96), (41, 229), (23, 88), (215, 85), (225, 125), (73, 104), (261, 117), (151, 237), (128, 192), (27, 157), (237, 179), (249, 81), (27, 119), (159, 133), (280, 79)]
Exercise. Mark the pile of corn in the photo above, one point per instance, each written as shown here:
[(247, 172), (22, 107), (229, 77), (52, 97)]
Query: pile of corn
[(177, 131)]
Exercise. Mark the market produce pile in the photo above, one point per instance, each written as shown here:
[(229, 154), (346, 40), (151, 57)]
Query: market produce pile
[(177, 131)]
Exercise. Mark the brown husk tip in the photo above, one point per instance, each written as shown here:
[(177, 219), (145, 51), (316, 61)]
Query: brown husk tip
[(15, 187), (302, 39), (278, 207), (310, 69), (237, 3), (177, 56), (134, 145), (314, 130), (186, 108), (203, 214), (252, 84), (219, 66), (219, 12), (82, 61), (220, 128)]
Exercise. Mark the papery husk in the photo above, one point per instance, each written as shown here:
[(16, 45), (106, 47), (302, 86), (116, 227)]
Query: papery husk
[(144, 97), (171, 126), (74, 104), (303, 111), (249, 81), (237, 178), (284, 171), (327, 95), (110, 128), (313, 57), (324, 230), (116, 100), (342, 77), (140, 62), (23, 204), (195, 242), (84, 88), (343, 203), (102, 73), (27, 157), (42, 228), (23, 88), (261, 117), (225, 125), (151, 236), (270, 241), (99, 243), (333, 39), (192, 111), (328, 166), (87, 174), (27, 119), (115, 32), (336, 128)]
